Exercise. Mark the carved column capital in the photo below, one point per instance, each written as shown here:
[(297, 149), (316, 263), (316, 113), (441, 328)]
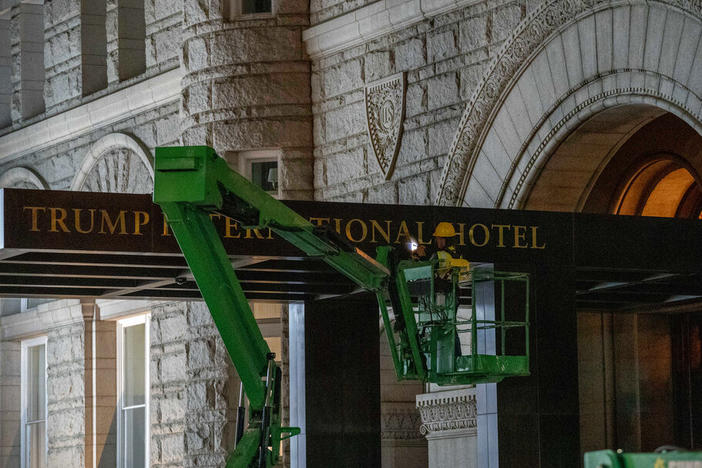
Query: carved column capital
[(448, 414)]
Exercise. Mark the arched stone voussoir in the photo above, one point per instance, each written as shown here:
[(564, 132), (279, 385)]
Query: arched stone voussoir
[(570, 59), (22, 177)]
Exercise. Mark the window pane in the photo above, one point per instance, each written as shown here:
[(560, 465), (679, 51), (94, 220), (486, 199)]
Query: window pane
[(265, 175), (36, 445), (134, 437), (36, 383), (255, 6), (134, 366)]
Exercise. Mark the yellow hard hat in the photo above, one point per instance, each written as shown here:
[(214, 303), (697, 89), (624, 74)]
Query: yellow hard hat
[(444, 229)]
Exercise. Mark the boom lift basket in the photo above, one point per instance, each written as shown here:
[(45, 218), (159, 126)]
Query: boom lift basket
[(435, 340), (671, 459)]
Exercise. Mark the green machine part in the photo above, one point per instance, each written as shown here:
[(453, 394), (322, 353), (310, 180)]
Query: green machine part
[(189, 184), (672, 459), (192, 182)]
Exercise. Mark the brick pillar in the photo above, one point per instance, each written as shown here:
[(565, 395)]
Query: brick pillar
[(27, 43), (75, 50), (10, 404), (126, 33)]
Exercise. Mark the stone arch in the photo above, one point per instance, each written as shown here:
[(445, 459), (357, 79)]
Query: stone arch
[(566, 62), (21, 177), (116, 163)]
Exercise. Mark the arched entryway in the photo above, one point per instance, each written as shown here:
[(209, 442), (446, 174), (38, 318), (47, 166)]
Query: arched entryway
[(595, 106)]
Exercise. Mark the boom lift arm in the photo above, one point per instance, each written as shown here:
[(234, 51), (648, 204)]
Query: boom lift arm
[(192, 182)]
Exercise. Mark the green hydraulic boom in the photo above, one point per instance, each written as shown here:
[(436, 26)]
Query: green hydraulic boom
[(192, 182)]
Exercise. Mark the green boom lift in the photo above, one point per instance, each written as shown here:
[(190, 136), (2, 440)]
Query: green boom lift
[(192, 182), (664, 459)]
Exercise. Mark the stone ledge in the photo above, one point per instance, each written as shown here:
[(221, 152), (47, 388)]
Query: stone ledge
[(383, 17), (449, 413), (123, 104)]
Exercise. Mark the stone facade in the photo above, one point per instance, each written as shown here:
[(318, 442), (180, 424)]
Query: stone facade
[(493, 90)]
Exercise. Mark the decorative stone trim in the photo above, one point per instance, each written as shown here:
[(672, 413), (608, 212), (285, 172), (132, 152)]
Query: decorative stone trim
[(379, 18), (455, 411), (115, 176), (527, 40), (38, 321), (399, 424), (123, 104), (21, 177)]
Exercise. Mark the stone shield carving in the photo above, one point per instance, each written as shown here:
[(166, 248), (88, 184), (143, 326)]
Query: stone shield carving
[(385, 112)]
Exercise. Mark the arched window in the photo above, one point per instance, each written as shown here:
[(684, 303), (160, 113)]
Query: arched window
[(662, 186)]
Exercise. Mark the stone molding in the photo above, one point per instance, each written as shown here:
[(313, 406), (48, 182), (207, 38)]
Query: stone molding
[(525, 42), (109, 165), (385, 114), (379, 18), (123, 104), (400, 424), (448, 414), (39, 320), (22, 177)]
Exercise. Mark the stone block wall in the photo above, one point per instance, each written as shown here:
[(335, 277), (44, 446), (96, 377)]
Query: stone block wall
[(246, 88), (57, 165), (74, 51), (164, 34), (10, 404), (65, 358), (444, 58), (168, 384)]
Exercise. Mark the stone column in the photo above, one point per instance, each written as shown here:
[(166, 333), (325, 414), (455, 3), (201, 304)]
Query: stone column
[(75, 55), (100, 388), (126, 34), (27, 39), (449, 422), (247, 88), (5, 69)]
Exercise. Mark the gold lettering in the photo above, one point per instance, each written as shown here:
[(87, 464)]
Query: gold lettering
[(214, 216), (375, 226), (534, 243), (486, 235), (229, 226), (520, 235), (403, 233), (112, 225), (141, 218), (461, 234), (255, 231), (420, 234), (364, 230), (77, 222), (320, 221), (35, 216), (58, 220), (501, 231), (166, 230), (337, 224), (270, 234)]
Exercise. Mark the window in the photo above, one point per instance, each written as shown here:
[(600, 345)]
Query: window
[(133, 392), (245, 9), (260, 167), (34, 440)]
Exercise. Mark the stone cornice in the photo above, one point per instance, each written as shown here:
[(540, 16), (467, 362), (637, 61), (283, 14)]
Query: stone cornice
[(120, 105), (41, 319), (453, 412), (376, 19)]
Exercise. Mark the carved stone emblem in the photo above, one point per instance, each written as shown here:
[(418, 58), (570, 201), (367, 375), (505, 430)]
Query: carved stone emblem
[(385, 112)]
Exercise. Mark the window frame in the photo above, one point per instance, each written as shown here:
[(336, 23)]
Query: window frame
[(245, 159), (233, 11), (24, 375), (142, 319)]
